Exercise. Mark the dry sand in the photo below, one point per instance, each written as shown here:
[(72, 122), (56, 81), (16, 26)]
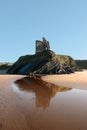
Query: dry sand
[(74, 80), (29, 104)]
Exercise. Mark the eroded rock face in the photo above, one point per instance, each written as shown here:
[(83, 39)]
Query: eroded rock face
[(46, 62)]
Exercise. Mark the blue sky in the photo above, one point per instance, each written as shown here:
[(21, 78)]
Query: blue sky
[(62, 22)]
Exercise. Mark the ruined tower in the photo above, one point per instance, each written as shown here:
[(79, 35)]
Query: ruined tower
[(42, 45)]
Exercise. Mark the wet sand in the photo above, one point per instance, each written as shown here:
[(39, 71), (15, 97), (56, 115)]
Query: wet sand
[(29, 104)]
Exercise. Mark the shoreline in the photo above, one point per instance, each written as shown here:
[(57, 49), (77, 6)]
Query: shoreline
[(74, 80)]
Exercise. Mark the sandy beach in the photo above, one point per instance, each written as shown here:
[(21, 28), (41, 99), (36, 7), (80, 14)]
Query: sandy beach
[(74, 80), (31, 104)]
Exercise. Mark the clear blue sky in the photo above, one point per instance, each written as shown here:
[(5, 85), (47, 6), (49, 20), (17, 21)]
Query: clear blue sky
[(62, 22)]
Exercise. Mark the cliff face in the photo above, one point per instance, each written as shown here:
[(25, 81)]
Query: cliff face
[(46, 62), (82, 64)]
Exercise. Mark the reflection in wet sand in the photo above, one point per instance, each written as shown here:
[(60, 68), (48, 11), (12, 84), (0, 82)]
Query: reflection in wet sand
[(22, 103), (44, 91)]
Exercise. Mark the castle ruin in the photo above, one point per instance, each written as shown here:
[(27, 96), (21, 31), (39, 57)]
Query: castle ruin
[(42, 45)]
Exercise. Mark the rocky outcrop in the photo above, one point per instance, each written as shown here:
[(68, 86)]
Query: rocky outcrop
[(82, 64), (4, 66), (46, 62), (67, 64)]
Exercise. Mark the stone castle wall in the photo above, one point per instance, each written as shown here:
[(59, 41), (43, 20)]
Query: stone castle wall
[(42, 45)]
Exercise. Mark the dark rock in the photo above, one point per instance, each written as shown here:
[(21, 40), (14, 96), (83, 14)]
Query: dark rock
[(46, 62)]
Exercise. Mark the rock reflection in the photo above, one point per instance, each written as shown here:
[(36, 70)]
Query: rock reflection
[(44, 91)]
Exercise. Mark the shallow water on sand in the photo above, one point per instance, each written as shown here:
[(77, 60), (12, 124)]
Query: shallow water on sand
[(30, 104)]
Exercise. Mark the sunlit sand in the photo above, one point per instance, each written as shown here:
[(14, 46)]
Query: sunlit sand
[(74, 80), (34, 104)]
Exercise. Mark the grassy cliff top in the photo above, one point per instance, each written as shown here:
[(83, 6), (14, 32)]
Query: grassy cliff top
[(64, 59)]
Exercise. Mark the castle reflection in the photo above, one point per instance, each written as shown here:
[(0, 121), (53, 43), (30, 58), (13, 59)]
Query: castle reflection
[(44, 91)]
